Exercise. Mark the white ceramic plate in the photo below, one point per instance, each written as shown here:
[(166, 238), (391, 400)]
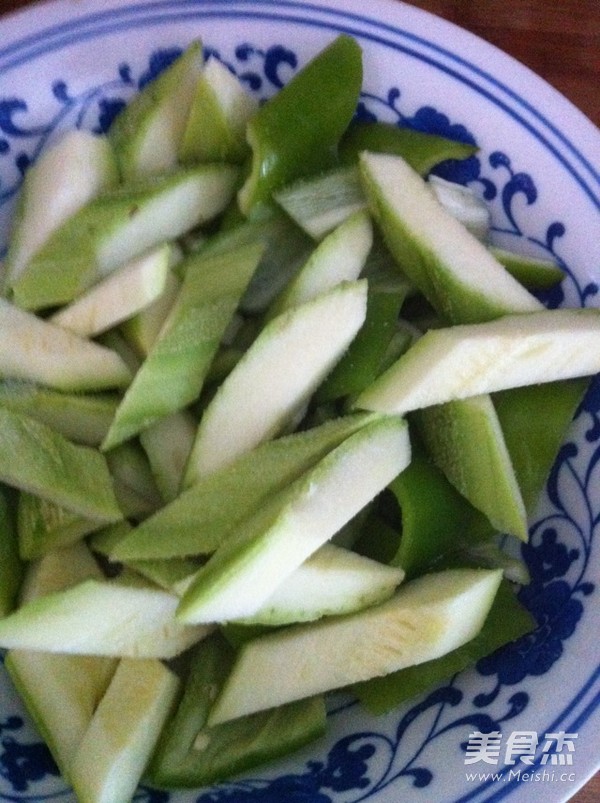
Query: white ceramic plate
[(67, 63)]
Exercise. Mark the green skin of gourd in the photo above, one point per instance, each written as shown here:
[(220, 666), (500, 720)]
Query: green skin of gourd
[(36, 458), (197, 522), (81, 418)]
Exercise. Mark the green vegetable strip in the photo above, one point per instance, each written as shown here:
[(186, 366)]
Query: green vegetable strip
[(436, 518), (197, 521), (172, 375), (35, 458), (296, 132), (42, 526), (507, 621), (83, 418), (422, 151), (534, 420), (190, 754)]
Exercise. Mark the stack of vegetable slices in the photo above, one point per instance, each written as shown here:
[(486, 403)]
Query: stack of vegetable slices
[(269, 398)]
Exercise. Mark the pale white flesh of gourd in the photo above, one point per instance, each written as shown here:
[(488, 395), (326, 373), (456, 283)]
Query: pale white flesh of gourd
[(452, 268), (173, 373), (196, 522), (463, 204), (321, 203), (123, 732), (425, 619), (216, 125), (64, 178), (339, 257), (276, 376), (147, 134), (120, 225), (258, 557), (330, 582), (142, 331), (60, 692), (120, 296), (513, 351), (101, 617), (37, 350)]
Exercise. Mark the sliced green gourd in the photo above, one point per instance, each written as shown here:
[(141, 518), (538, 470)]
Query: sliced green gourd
[(60, 692), (248, 567), (320, 203), (341, 256), (276, 376), (190, 754), (35, 458), (141, 331), (466, 440), (332, 581), (64, 178), (216, 126), (101, 617), (123, 731), (464, 205), (120, 296), (507, 621), (36, 350), (82, 418), (512, 351), (428, 617), (147, 133), (422, 151), (197, 522), (456, 273), (43, 526), (118, 226), (172, 375), (295, 132)]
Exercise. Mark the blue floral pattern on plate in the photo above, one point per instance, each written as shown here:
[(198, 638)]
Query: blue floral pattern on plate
[(361, 764)]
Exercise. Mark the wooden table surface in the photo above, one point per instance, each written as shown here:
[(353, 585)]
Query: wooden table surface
[(558, 39)]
